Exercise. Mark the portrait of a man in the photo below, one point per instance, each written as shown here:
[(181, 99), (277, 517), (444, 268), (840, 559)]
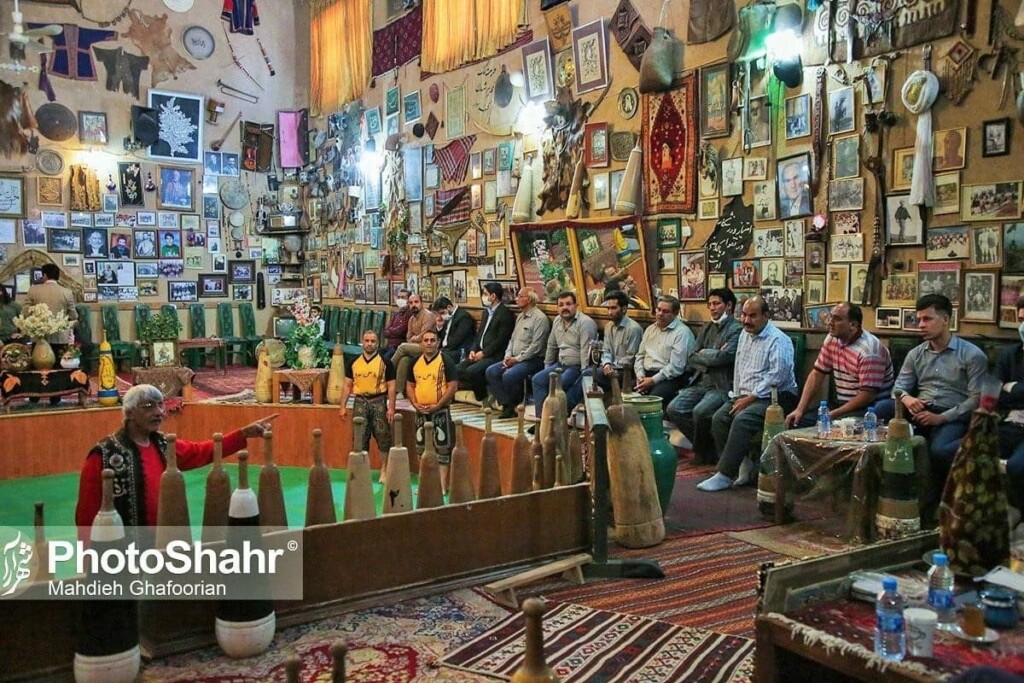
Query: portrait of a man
[(176, 188), (794, 183)]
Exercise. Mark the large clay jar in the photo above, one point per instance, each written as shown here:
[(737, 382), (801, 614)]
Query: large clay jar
[(43, 357), (663, 455), (107, 392), (336, 375), (264, 375)]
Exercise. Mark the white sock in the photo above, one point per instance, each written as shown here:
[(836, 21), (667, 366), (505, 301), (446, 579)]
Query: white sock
[(718, 482)]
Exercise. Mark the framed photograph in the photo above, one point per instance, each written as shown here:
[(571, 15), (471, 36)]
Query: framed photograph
[(147, 269), (64, 241), (537, 68), (772, 272), (411, 107), (950, 149), (241, 292), (732, 177), (846, 157), (768, 242), (242, 272), (599, 184), (746, 274), (176, 183), (72, 260), (798, 116), (794, 241), (92, 127), (596, 148), (986, 247), (50, 191), (910, 319), (1011, 288), (120, 244), (392, 101), (476, 170), (755, 168), (590, 53), (888, 318), (115, 273), (980, 296), (818, 317), (103, 220), (993, 201), (947, 243), (858, 281), (667, 262), (815, 286), (837, 283), (899, 290), (12, 196), (491, 194), (947, 193), (669, 233), (845, 222), (163, 353), (693, 266), (1013, 247), (490, 161), (903, 222), (716, 101), (939, 277), (180, 117), (629, 102), (847, 248), (50, 219), (902, 168), (81, 219), (180, 290), (373, 121), (846, 194), (146, 218), (793, 177), (213, 285), (757, 124), (707, 209), (455, 112), (32, 233), (764, 202), (842, 114), (815, 257)]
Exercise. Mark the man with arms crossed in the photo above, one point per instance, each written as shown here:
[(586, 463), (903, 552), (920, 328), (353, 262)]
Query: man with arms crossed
[(431, 388), (371, 378)]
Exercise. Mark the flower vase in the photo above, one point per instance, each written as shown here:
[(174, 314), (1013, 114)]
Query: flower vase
[(663, 455), (43, 357), (306, 356)]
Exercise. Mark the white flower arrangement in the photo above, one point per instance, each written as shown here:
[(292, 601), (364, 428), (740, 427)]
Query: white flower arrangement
[(39, 321)]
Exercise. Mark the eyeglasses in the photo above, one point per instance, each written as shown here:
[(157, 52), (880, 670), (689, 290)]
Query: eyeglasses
[(151, 405)]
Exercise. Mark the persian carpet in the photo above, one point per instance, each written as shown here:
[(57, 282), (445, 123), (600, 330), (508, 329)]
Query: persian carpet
[(799, 540), (710, 583), (669, 142), (583, 644), (691, 513)]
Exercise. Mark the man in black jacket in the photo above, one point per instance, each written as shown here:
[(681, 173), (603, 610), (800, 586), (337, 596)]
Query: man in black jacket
[(456, 329), (490, 343), (1010, 369)]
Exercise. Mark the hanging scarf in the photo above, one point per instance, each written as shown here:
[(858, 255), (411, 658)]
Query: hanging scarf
[(919, 93)]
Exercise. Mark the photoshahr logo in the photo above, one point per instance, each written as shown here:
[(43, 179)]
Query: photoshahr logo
[(15, 561)]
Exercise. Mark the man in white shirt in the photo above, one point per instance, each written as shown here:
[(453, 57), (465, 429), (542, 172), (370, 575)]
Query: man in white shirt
[(661, 360)]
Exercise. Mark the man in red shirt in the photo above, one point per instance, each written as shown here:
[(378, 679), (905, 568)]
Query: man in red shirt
[(137, 454)]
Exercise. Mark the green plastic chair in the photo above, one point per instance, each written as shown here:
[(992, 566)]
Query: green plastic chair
[(799, 340), (142, 314), (197, 330), (83, 336), (327, 315), (234, 345), (121, 350)]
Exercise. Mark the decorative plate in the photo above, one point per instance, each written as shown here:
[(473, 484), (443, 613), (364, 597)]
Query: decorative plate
[(49, 162), (622, 142), (56, 122), (565, 72), (628, 101), (198, 42), (234, 194), (179, 5)]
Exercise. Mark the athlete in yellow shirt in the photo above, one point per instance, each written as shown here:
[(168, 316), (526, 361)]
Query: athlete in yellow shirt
[(371, 378), (431, 389)]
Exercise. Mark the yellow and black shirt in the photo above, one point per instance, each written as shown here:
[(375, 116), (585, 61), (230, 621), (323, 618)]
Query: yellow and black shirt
[(431, 378), (370, 375)]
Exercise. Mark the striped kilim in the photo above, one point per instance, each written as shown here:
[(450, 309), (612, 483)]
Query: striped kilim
[(583, 644), (710, 582)]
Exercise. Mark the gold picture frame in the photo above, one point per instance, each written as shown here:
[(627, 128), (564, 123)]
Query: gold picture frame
[(163, 353)]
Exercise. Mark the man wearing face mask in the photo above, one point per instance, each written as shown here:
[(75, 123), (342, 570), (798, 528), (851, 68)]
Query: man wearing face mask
[(1010, 370), (398, 325), (489, 345), (420, 321), (455, 325)]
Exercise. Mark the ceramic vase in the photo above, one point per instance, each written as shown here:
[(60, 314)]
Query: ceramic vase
[(663, 455), (43, 357)]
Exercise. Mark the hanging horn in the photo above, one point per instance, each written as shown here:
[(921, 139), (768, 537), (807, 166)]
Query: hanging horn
[(236, 93)]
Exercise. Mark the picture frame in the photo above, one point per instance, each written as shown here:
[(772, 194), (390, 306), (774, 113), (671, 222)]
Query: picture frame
[(888, 318), (411, 110), (755, 168), (950, 242), (1011, 288), (847, 248), (846, 157), (241, 292), (182, 291), (81, 219), (815, 257), (768, 242), (538, 71), (732, 177), (392, 101), (846, 194), (815, 288), (902, 168), (145, 244), (596, 151), (455, 112), (64, 240), (669, 233), (794, 238), (991, 201), (109, 200), (939, 277), (949, 151), (904, 225), (242, 271), (707, 209), (490, 161), (177, 188), (49, 190), (94, 242), (92, 127), (858, 281), (213, 285), (716, 101), (947, 193), (629, 102), (1013, 247), (103, 220), (909, 319), (12, 196), (693, 275), (837, 283), (667, 262), (842, 111), (599, 186), (163, 353), (757, 131), (980, 296), (32, 233), (146, 218), (793, 176), (746, 274), (476, 170), (764, 202), (50, 219), (986, 247), (183, 114), (798, 116), (373, 121), (590, 54), (501, 261), (818, 317), (899, 290)]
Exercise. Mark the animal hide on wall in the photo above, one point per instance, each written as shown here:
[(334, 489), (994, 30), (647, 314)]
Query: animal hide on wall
[(15, 120), (152, 35)]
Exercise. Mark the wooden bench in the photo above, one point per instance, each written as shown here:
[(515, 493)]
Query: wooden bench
[(504, 590)]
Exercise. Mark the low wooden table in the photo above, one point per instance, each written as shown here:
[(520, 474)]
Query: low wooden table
[(43, 384), (215, 343), (314, 379), (173, 380)]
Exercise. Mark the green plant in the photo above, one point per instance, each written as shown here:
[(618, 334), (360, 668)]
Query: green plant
[(163, 325), (309, 335)]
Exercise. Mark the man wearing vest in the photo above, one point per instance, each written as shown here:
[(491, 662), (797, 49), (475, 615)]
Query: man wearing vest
[(430, 389), (371, 379)]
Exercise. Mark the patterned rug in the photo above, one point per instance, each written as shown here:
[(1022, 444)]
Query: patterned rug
[(799, 540), (692, 513), (618, 648), (400, 643), (710, 583)]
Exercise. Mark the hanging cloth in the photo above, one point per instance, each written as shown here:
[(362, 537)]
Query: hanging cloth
[(919, 93)]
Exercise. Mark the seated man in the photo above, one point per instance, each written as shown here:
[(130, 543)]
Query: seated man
[(568, 350), (712, 364), (398, 325), (490, 343), (622, 337), (764, 360), (408, 351), (524, 355), (1010, 369), (456, 328), (939, 385), (858, 361), (661, 360)]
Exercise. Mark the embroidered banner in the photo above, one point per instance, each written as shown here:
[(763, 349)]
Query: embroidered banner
[(399, 42), (669, 133), (453, 159)]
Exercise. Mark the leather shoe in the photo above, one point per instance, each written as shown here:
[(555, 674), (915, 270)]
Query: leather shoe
[(507, 412)]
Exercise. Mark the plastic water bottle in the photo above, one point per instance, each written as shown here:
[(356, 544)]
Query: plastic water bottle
[(890, 635), (824, 421), (940, 591), (870, 425)]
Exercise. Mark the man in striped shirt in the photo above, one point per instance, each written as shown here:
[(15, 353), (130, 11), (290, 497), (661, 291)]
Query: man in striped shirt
[(857, 360)]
